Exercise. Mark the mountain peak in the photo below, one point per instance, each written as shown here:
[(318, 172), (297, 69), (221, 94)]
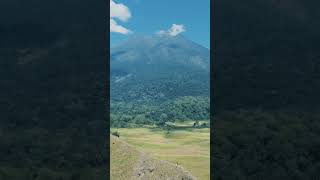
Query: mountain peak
[(144, 42), (159, 53), (145, 63), (139, 38)]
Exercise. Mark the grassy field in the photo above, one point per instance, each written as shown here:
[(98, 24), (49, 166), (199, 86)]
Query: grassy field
[(188, 147), (125, 160)]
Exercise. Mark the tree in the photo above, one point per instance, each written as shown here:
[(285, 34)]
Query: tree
[(162, 120), (196, 123)]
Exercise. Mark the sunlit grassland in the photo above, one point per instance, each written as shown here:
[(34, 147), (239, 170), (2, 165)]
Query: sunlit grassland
[(188, 147), (123, 160)]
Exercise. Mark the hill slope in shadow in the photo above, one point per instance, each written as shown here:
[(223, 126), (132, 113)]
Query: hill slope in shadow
[(266, 54), (53, 89)]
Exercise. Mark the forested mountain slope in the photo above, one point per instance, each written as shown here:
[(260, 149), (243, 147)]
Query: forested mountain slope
[(158, 78)]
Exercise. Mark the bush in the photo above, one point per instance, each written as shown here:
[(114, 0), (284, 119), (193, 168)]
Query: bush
[(204, 125), (116, 133)]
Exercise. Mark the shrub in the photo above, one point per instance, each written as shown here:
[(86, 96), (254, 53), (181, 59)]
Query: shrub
[(116, 133)]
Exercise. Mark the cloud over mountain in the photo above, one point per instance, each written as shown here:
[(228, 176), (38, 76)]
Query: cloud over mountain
[(174, 30)]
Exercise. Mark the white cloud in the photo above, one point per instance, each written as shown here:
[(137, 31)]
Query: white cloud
[(115, 27), (173, 31), (176, 29), (121, 12)]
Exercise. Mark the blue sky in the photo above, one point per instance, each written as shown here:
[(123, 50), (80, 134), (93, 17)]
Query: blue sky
[(189, 17)]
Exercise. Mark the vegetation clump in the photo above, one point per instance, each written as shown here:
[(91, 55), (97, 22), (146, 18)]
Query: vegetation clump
[(116, 133), (256, 142)]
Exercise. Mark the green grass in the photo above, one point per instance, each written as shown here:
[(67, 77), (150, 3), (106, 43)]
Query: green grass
[(189, 148), (123, 160)]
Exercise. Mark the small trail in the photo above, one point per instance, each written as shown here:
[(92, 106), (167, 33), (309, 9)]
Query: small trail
[(141, 169), (145, 167), (149, 168)]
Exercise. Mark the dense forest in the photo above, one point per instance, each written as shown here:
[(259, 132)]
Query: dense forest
[(53, 90), (266, 54), (259, 144), (183, 109), (266, 90)]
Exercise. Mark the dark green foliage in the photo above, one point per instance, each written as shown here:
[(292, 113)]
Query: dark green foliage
[(116, 133), (53, 94), (267, 57), (204, 125), (266, 145), (196, 124), (266, 54), (183, 108)]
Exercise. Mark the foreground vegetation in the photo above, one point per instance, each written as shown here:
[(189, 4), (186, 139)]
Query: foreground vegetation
[(67, 154), (260, 144), (186, 146)]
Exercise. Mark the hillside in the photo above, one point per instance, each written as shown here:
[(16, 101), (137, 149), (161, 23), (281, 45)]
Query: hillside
[(158, 76), (150, 64), (129, 163)]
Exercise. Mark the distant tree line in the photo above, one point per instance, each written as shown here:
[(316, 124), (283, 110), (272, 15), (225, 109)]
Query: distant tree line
[(183, 108)]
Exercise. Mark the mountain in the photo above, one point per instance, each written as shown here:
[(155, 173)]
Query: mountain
[(158, 66), (154, 79)]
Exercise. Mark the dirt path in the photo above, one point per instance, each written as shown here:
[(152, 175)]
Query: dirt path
[(130, 163), (149, 168)]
